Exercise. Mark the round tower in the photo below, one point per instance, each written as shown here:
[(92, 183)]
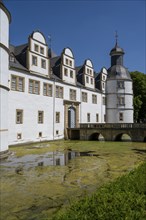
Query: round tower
[(119, 108), (5, 19)]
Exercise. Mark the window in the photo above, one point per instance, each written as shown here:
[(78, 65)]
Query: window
[(94, 99), (40, 134), (17, 83), (121, 101), (36, 47), (87, 79), (120, 116), (84, 97), (71, 74), (34, 60), (91, 80), (103, 85), (14, 83), (59, 92), (90, 72), (104, 118), (87, 70), (88, 117), (65, 72), (12, 58), (57, 117), (34, 87), (57, 132), (70, 63), (40, 117), (103, 100), (19, 116), (120, 84), (97, 117), (19, 136), (43, 63), (58, 162), (72, 94), (66, 61), (103, 77), (47, 89), (41, 50)]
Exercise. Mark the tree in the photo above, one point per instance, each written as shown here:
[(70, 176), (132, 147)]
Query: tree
[(139, 90)]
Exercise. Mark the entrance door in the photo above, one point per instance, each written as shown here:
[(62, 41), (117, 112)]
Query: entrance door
[(71, 117)]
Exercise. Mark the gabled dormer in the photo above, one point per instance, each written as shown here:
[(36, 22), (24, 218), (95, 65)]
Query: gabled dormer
[(37, 54), (85, 74), (67, 67), (101, 79)]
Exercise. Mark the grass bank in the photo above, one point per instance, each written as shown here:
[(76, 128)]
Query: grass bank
[(123, 199)]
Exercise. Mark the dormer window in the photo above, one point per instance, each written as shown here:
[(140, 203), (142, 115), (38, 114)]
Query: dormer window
[(41, 50), (12, 58), (36, 48), (34, 60), (43, 63), (103, 77), (71, 74), (87, 79), (65, 71), (66, 61)]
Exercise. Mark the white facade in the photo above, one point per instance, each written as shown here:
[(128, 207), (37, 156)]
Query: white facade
[(4, 64), (38, 92), (119, 102)]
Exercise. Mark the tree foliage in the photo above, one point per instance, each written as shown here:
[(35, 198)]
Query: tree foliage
[(139, 90)]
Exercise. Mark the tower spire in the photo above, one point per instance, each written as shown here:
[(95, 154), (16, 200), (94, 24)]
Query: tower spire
[(116, 37)]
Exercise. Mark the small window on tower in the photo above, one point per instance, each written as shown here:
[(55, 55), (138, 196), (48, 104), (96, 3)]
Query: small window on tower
[(120, 84), (121, 116)]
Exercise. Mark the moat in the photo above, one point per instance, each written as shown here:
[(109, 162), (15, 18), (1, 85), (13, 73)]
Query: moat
[(38, 180)]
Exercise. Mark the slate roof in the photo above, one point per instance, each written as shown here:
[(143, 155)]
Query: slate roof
[(118, 72), (19, 53), (51, 53)]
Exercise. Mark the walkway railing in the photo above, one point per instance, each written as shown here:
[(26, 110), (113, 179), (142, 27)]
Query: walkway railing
[(114, 126)]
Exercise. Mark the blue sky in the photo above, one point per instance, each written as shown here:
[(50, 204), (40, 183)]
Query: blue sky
[(87, 27)]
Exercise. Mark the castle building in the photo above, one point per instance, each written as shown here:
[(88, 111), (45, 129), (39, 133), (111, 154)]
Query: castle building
[(43, 94)]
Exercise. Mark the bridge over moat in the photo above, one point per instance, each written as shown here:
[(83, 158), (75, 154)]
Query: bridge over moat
[(110, 132)]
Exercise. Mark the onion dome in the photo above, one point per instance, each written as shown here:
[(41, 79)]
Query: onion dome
[(116, 50)]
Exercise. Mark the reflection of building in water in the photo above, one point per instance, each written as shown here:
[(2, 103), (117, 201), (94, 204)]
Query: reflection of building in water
[(49, 159), (58, 158)]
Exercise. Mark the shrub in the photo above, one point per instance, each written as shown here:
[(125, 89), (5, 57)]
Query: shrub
[(123, 199)]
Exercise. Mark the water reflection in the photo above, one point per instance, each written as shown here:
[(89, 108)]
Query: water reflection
[(55, 158)]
